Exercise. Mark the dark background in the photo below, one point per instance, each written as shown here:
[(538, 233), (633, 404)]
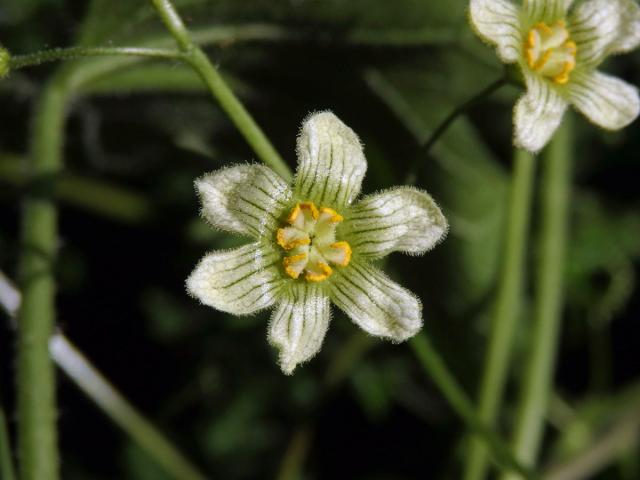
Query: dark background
[(210, 380)]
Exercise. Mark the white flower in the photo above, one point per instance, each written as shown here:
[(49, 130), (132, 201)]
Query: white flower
[(313, 243), (559, 46)]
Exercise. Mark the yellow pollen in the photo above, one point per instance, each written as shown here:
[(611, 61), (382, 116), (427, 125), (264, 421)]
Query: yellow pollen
[(550, 52), (334, 217), (294, 214), (290, 262), (290, 244), (324, 273), (346, 250)]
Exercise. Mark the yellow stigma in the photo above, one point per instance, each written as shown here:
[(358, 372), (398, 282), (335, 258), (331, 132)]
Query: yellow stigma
[(550, 52), (310, 242)]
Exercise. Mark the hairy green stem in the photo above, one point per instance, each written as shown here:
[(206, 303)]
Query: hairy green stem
[(538, 375), (37, 435), (243, 121), (96, 387), (73, 53), (435, 367), (507, 308)]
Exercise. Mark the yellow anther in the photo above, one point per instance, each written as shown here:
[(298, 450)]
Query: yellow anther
[(331, 215), (318, 272), (340, 253), (571, 47), (289, 238), (294, 214), (311, 208), (543, 61), (545, 28), (563, 77), (295, 264)]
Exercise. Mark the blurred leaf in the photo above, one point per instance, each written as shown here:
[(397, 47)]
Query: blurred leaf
[(465, 177), (605, 245), (371, 390), (141, 466)]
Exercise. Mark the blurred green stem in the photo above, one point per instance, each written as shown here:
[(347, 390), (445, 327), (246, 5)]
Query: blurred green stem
[(462, 108), (622, 437), (220, 90), (292, 464), (507, 308), (6, 460), (96, 387), (538, 376), (87, 193), (436, 369), (37, 435), (73, 53)]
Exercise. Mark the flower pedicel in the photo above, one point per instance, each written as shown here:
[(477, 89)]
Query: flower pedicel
[(313, 243), (559, 48)]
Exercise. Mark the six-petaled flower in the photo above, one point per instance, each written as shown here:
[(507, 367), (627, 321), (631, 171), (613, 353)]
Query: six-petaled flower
[(559, 46), (313, 243)]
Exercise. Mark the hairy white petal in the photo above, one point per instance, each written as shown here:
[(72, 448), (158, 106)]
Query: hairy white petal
[(537, 114), (298, 325), (375, 303), (239, 281), (245, 199), (605, 100), (546, 10), (331, 163), (603, 27), (498, 22), (401, 219), (629, 37)]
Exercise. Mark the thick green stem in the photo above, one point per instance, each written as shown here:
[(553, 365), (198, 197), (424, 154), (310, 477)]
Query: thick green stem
[(435, 367), (538, 376), (37, 436), (96, 387), (73, 53), (507, 308), (243, 121)]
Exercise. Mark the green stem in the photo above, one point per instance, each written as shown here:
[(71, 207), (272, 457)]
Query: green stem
[(37, 436), (435, 367), (538, 376), (252, 133), (56, 54), (6, 461), (507, 308), (96, 387)]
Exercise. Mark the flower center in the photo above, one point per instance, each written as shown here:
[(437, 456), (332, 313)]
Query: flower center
[(551, 52), (310, 241)]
